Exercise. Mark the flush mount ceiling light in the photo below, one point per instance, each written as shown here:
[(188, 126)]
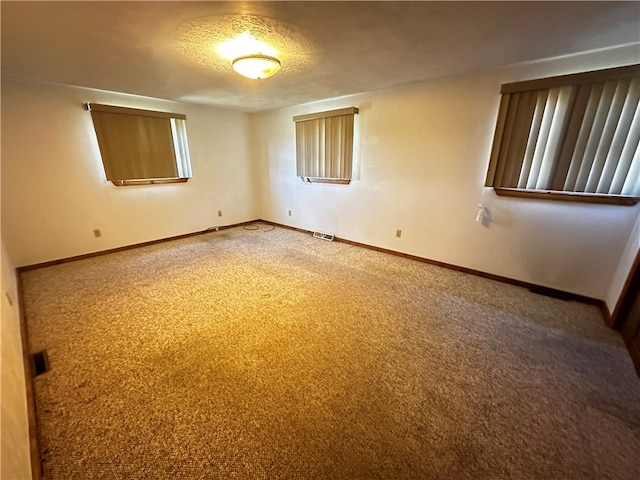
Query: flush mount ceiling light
[(220, 42), (256, 66)]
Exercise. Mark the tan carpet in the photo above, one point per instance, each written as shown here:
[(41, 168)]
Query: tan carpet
[(257, 354)]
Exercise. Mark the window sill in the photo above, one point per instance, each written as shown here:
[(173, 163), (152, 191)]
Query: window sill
[(152, 181), (568, 196), (338, 181)]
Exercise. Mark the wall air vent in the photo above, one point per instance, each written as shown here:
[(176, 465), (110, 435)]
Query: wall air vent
[(324, 236)]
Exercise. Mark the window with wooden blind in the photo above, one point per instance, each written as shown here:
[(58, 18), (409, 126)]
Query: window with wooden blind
[(141, 146), (573, 137), (324, 146)]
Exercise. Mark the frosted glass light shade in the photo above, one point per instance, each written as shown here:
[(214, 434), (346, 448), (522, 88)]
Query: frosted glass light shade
[(256, 66)]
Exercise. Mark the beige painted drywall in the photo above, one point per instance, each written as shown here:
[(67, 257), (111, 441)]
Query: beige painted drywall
[(624, 267), (15, 462), (53, 189), (420, 165)]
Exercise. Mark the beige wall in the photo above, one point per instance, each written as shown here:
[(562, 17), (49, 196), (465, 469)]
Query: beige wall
[(420, 167), (53, 189), (14, 429), (624, 267)]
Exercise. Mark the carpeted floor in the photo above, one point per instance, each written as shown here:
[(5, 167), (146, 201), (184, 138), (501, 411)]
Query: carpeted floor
[(268, 354)]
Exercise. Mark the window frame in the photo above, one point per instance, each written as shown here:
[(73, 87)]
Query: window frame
[(509, 119), (173, 133)]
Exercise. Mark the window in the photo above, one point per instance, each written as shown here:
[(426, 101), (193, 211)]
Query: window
[(573, 137), (141, 146), (324, 145)]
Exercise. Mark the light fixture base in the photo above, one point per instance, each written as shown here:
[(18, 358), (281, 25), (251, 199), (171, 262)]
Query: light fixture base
[(256, 66)]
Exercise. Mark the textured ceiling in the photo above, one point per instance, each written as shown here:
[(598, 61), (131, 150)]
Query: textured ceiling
[(328, 49)]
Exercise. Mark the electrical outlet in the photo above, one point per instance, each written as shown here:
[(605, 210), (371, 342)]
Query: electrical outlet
[(398, 233), (97, 233), (219, 213), (289, 212)]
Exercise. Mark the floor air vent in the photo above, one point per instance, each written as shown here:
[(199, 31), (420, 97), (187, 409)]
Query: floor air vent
[(550, 292), (40, 363), (323, 236)]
